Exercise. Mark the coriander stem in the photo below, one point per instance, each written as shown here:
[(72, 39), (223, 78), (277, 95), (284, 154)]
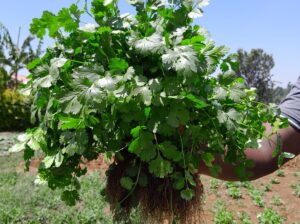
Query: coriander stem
[(135, 184)]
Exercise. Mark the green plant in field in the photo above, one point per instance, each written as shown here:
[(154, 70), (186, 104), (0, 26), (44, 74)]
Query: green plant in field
[(257, 197), (269, 216), (142, 91), (296, 174), (222, 215), (23, 202), (244, 218), (276, 200), (280, 173), (214, 184), (247, 185), (274, 181), (233, 190), (296, 188), (268, 187), (9, 179)]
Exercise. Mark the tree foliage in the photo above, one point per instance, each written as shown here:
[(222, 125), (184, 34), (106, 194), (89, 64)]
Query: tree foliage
[(14, 111), (255, 67), (279, 93), (14, 57), (138, 89), (3, 79)]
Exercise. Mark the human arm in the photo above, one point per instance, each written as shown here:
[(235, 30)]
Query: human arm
[(264, 162)]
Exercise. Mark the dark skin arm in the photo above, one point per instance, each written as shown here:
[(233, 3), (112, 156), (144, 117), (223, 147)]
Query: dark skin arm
[(264, 163)]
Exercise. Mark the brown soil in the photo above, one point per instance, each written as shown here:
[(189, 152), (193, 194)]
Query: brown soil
[(291, 204), (289, 210), (95, 165)]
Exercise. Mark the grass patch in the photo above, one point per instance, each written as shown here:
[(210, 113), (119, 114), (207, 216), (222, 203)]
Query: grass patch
[(23, 202)]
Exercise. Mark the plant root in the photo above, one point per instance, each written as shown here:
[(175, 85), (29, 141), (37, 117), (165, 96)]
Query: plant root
[(157, 203)]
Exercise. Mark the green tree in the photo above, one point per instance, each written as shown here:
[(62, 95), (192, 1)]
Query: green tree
[(14, 56), (280, 92), (255, 67), (3, 79), (3, 73)]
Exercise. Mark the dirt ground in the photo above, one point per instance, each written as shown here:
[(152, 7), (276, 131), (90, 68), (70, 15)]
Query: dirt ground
[(290, 209)]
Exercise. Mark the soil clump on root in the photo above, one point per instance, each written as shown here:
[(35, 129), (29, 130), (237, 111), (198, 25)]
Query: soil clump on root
[(157, 202)]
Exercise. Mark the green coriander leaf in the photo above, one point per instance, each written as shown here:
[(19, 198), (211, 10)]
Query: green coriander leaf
[(65, 19), (70, 123), (33, 144), (118, 64), (170, 151), (73, 107), (220, 93), (147, 112), (160, 167), (134, 146), (178, 117), (278, 149), (234, 115), (153, 44), (198, 103), (18, 147), (132, 171), (143, 146), (148, 151), (48, 21), (126, 183), (70, 197), (58, 159), (288, 155), (145, 93), (208, 158), (143, 180), (190, 178), (44, 82), (182, 59), (155, 85), (34, 63), (253, 143), (187, 194), (179, 183), (236, 95), (107, 2), (135, 132), (48, 161)]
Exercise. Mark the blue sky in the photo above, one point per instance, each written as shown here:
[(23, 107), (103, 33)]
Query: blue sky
[(271, 25)]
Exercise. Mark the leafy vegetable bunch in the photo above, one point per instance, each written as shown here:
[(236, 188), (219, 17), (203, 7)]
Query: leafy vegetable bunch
[(141, 89)]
